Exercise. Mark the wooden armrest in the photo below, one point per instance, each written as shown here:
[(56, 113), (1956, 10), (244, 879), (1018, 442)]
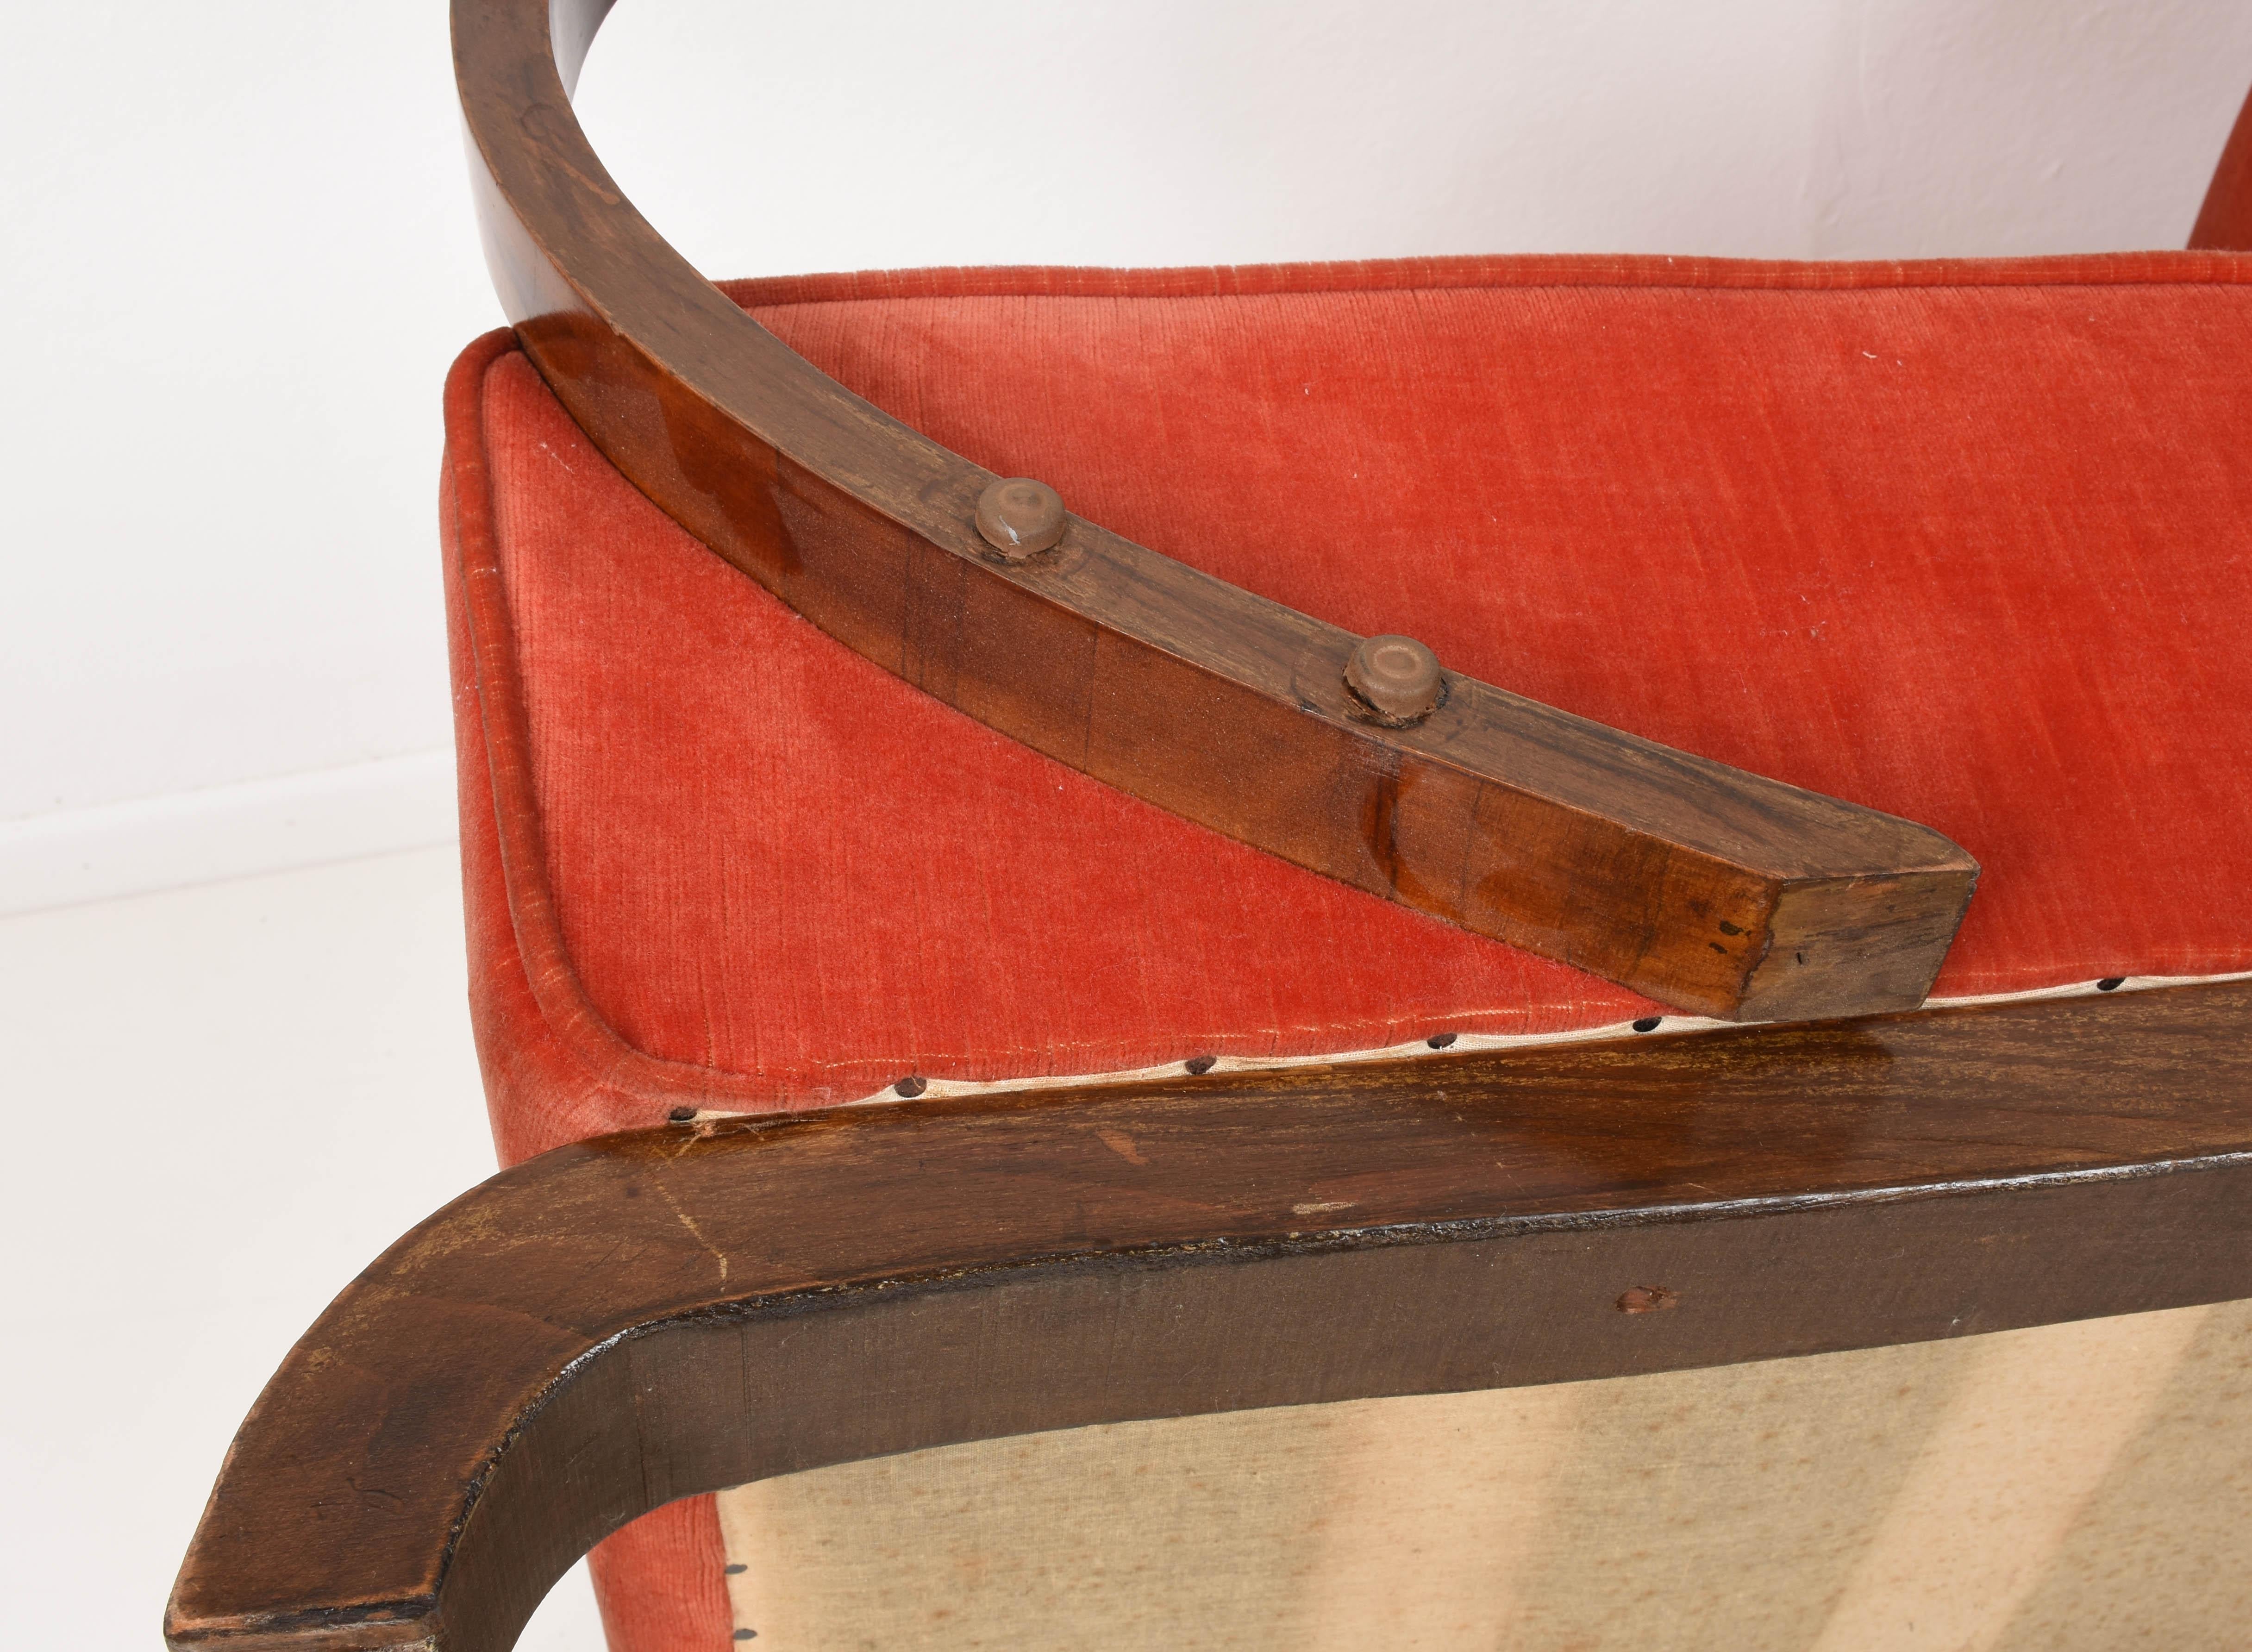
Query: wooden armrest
[(2224, 221), (616, 1324), (1699, 885)]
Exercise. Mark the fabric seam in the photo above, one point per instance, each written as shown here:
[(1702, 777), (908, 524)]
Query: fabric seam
[(1905, 271)]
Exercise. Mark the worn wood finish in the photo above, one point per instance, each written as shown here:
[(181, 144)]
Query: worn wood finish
[(1702, 885), (642, 1317)]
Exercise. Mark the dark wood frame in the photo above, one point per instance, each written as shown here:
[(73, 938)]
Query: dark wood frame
[(2224, 220), (631, 1320), (1707, 888)]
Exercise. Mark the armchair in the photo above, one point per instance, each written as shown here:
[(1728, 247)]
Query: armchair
[(1054, 1099)]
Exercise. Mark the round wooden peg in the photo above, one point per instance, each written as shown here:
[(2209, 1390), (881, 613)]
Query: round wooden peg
[(1395, 677), (1018, 517)]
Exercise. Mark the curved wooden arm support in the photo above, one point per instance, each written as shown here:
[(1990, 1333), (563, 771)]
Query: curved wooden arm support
[(2224, 221), (1702, 885), (635, 1319)]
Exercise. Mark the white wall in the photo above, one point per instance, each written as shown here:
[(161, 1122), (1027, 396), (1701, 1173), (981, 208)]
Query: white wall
[(1186, 131), (238, 256)]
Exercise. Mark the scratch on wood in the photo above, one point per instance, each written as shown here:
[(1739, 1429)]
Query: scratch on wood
[(1123, 1144), (689, 1222)]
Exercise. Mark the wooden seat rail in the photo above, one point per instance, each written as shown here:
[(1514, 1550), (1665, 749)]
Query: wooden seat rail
[(631, 1320)]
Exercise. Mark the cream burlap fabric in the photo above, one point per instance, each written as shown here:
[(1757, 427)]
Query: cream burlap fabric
[(2075, 1486)]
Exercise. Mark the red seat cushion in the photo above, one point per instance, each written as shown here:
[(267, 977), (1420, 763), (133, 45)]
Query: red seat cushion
[(1965, 542)]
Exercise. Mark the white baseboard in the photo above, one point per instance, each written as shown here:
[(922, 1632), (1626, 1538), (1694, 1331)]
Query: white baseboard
[(79, 855)]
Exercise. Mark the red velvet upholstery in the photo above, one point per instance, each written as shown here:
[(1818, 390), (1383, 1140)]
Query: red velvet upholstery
[(1969, 542)]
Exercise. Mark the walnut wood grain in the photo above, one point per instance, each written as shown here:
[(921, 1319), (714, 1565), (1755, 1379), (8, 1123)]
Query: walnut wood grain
[(1702, 885), (642, 1317)]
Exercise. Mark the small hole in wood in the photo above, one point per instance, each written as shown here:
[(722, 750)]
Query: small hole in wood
[(1440, 1040), (1648, 1024), (911, 1086), (681, 1116), (2110, 983), (1199, 1065)]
